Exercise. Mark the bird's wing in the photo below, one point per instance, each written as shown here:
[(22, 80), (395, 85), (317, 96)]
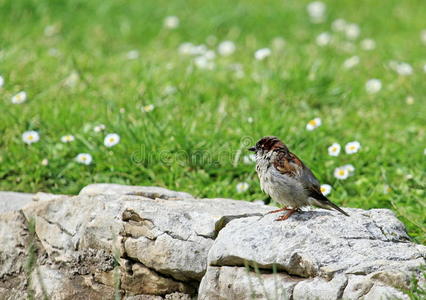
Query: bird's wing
[(290, 165)]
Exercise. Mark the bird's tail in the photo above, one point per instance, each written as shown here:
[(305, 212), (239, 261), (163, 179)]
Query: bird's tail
[(337, 208), (322, 201)]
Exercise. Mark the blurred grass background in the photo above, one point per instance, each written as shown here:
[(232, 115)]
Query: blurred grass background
[(71, 57)]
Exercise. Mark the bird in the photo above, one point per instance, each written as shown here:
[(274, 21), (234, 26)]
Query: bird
[(286, 179)]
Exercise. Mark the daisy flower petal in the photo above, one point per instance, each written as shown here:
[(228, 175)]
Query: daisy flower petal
[(352, 31), (148, 108), (263, 53), (368, 44), (99, 128), (341, 173), (313, 124), (316, 11), (67, 138), (242, 187), (19, 98), (111, 140), (350, 168), (352, 147), (334, 149), (30, 137), (325, 189), (338, 25), (373, 86), (351, 62), (84, 158), (171, 22), (226, 48), (323, 39)]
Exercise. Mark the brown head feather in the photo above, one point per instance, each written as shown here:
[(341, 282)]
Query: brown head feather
[(269, 143)]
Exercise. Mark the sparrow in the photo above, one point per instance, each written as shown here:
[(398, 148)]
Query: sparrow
[(286, 179)]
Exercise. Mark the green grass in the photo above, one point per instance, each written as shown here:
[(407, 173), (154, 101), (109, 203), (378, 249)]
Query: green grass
[(192, 138)]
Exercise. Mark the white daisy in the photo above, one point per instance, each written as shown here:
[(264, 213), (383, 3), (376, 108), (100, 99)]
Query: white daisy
[(250, 120), (171, 22), (30, 137), (338, 25), (111, 139), (325, 189), (84, 158), (409, 100), (386, 189), (72, 79), (242, 187), (368, 44), (226, 48), (249, 159), (263, 53), (185, 48), (316, 11), (45, 162), (350, 168), (1, 81), (352, 147), (404, 69), (313, 124), (323, 39), (203, 62), (99, 128), (341, 173), (423, 36), (191, 49), (148, 108), (373, 86), (352, 31), (67, 139), (351, 62), (132, 54), (19, 98), (334, 149)]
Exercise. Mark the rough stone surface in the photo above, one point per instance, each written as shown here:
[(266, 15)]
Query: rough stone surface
[(368, 252), (239, 283), (14, 240), (159, 238), (12, 201), (146, 191), (152, 243)]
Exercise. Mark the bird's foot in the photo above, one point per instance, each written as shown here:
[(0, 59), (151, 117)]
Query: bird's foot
[(287, 215), (278, 210)]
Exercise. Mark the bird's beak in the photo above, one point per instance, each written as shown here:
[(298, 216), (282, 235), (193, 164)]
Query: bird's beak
[(252, 149)]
